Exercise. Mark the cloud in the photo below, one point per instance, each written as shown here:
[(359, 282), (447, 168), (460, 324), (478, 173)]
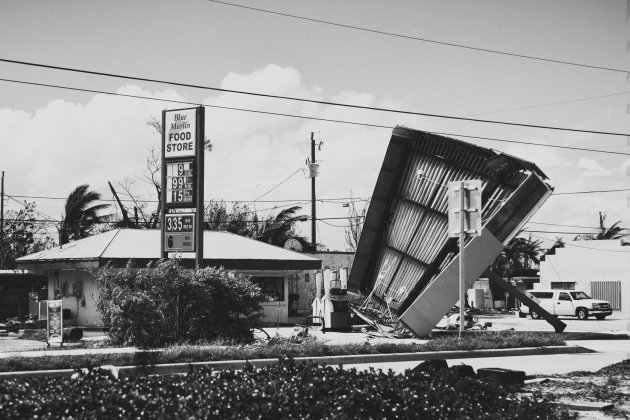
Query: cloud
[(64, 144), (592, 168)]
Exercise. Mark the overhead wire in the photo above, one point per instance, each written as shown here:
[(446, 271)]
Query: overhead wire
[(559, 224), (307, 100), (34, 210), (281, 182), (426, 40), (592, 191), (581, 149), (336, 200), (105, 222)]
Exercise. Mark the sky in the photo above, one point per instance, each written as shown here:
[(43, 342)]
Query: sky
[(53, 139)]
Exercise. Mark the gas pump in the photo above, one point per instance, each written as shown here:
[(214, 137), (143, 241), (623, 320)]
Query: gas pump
[(334, 304)]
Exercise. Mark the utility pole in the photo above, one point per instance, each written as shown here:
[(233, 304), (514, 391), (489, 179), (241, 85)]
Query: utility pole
[(2, 214), (2, 209), (312, 169)]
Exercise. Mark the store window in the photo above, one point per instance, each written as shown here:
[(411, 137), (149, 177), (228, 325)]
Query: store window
[(273, 287)]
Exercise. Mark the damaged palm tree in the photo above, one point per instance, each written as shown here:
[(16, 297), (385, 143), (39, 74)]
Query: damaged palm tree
[(405, 256)]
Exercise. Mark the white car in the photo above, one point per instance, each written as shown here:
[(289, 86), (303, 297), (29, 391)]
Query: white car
[(567, 303)]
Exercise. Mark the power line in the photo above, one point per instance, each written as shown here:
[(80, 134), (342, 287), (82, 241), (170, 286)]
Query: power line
[(592, 192), (34, 210), (282, 182), (413, 38), (581, 149), (308, 117), (558, 224), (556, 232), (570, 101), (330, 224), (105, 222), (313, 101), (336, 200)]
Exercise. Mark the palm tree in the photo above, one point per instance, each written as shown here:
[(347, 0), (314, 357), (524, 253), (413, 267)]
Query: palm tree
[(603, 233), (520, 253), (277, 230), (242, 220), (552, 251), (80, 214)]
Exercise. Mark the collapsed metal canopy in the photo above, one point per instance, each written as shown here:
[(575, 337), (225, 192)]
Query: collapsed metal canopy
[(404, 254)]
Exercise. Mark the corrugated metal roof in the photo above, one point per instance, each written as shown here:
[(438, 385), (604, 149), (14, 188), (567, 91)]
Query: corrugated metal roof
[(220, 248), (90, 248), (404, 244)]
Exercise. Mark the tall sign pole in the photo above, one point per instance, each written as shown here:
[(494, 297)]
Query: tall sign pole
[(313, 174), (464, 221), (182, 182), (462, 263), (201, 136)]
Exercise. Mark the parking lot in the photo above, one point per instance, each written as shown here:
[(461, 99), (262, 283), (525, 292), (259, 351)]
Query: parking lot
[(615, 324)]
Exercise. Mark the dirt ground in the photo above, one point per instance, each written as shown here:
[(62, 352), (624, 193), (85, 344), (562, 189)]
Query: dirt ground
[(609, 385)]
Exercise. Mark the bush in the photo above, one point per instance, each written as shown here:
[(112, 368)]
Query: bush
[(165, 303), (283, 390)]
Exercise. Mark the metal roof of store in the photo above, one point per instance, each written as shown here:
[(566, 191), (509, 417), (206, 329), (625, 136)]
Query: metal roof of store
[(405, 252), (220, 249)]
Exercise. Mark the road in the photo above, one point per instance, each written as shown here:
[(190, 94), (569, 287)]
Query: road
[(606, 352), (613, 324)]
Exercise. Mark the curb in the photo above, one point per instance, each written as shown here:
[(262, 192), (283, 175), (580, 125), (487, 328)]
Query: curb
[(171, 368)]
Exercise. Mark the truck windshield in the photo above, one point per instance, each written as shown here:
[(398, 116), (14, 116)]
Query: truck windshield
[(579, 295)]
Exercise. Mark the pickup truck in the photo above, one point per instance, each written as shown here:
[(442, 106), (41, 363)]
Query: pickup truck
[(567, 303)]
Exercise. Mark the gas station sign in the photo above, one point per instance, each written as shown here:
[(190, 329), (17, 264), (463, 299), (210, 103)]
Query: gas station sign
[(179, 232), (180, 184), (180, 133)]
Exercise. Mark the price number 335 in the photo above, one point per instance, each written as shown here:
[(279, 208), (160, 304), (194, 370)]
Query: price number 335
[(174, 224)]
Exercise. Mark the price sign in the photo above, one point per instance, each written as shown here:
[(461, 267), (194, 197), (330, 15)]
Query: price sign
[(179, 232), (180, 184)]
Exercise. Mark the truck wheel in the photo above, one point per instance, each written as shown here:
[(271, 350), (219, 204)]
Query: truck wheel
[(534, 314), (582, 313), (600, 317)]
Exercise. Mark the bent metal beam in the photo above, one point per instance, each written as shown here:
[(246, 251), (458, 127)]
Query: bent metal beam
[(405, 253)]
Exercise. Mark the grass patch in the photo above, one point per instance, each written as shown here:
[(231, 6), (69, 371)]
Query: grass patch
[(189, 353)]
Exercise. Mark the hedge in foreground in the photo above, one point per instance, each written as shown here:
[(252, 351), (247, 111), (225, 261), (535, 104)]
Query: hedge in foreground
[(165, 303), (284, 390)]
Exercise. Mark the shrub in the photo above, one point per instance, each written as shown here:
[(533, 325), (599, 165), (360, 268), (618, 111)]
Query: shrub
[(283, 390), (166, 303)]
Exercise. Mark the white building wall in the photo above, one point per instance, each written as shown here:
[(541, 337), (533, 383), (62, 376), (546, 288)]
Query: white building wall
[(77, 291), (583, 262)]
